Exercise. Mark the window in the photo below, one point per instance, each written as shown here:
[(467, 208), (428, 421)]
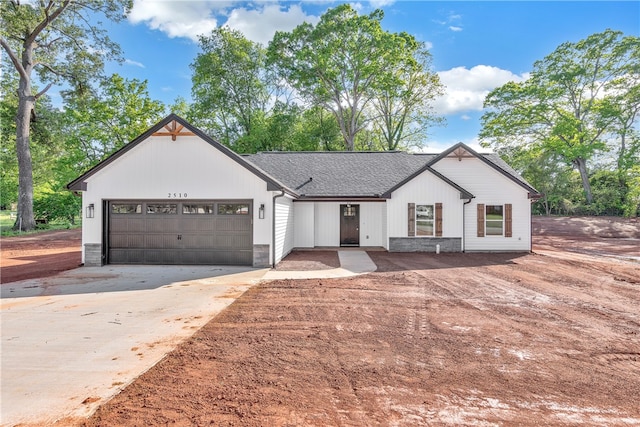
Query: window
[(233, 209), (162, 208), (424, 220), (197, 209), (126, 208), (494, 220), (349, 211)]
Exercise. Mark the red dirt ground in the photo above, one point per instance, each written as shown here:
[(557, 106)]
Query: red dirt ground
[(549, 338), (39, 255)]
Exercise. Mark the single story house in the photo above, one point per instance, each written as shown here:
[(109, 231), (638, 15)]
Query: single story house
[(175, 196)]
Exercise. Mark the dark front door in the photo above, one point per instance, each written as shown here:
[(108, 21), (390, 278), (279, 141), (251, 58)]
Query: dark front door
[(349, 225)]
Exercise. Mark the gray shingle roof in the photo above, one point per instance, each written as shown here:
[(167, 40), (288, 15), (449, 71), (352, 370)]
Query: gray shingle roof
[(339, 174)]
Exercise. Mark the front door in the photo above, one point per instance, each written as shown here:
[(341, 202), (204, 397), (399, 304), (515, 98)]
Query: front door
[(349, 225)]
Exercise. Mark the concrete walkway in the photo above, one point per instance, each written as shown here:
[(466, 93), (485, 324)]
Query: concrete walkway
[(72, 341)]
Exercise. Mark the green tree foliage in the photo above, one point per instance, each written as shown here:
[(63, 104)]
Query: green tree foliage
[(402, 112), (316, 130), (632, 201), (46, 149), (570, 104), (237, 99), (55, 40), (345, 62), (102, 120)]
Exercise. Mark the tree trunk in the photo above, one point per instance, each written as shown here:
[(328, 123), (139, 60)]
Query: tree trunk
[(26, 102), (581, 164)]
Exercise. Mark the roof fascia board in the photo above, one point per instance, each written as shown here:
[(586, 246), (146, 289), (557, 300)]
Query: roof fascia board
[(497, 168), (79, 183)]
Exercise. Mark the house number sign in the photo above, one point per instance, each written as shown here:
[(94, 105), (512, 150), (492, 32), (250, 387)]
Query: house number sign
[(177, 195)]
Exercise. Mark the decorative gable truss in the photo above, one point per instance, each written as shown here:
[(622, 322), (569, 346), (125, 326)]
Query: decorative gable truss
[(174, 129)]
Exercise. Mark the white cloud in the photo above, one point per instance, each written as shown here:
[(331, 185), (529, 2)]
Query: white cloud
[(177, 18), (377, 4), (467, 88), (455, 29), (260, 24), (191, 18), (438, 146), (134, 63)]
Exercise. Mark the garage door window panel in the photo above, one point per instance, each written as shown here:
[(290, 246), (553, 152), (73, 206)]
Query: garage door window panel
[(162, 208), (233, 209), (198, 209), (126, 208)]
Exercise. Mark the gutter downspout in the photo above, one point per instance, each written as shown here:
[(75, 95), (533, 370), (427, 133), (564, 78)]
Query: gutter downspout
[(464, 235), (273, 228)]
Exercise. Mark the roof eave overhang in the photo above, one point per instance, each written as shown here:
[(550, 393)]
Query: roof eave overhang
[(374, 198)]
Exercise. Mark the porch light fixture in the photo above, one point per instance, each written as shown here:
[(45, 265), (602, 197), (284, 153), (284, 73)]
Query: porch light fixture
[(90, 211), (261, 211)]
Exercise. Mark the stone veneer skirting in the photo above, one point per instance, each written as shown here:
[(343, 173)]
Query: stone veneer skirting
[(93, 254), (261, 256), (425, 244)]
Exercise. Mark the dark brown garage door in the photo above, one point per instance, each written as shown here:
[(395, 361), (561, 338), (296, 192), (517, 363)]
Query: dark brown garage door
[(184, 232)]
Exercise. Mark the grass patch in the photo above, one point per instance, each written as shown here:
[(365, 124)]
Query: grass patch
[(7, 219)]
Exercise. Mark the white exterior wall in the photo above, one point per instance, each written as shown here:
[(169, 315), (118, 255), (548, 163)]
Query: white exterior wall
[(284, 227), (490, 187), (318, 223), (425, 189), (372, 225), (188, 168), (304, 219), (327, 224)]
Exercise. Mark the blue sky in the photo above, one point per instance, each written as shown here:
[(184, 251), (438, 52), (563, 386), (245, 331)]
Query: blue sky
[(476, 46)]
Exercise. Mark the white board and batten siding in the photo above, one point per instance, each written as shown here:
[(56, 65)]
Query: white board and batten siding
[(187, 169), (490, 187), (425, 189), (284, 227), (317, 224), (372, 224), (303, 224)]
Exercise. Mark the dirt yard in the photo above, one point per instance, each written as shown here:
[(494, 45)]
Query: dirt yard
[(549, 338), (39, 255)]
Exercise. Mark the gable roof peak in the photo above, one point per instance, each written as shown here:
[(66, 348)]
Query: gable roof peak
[(493, 160), (173, 124)]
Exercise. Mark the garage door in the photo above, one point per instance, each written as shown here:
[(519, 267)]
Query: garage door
[(184, 232)]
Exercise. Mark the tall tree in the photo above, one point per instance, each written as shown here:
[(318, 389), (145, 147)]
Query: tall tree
[(623, 106), (563, 105), (343, 63), (402, 111), (235, 94), (102, 120), (56, 40)]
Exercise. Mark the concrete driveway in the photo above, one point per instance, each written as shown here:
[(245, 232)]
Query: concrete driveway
[(72, 341)]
